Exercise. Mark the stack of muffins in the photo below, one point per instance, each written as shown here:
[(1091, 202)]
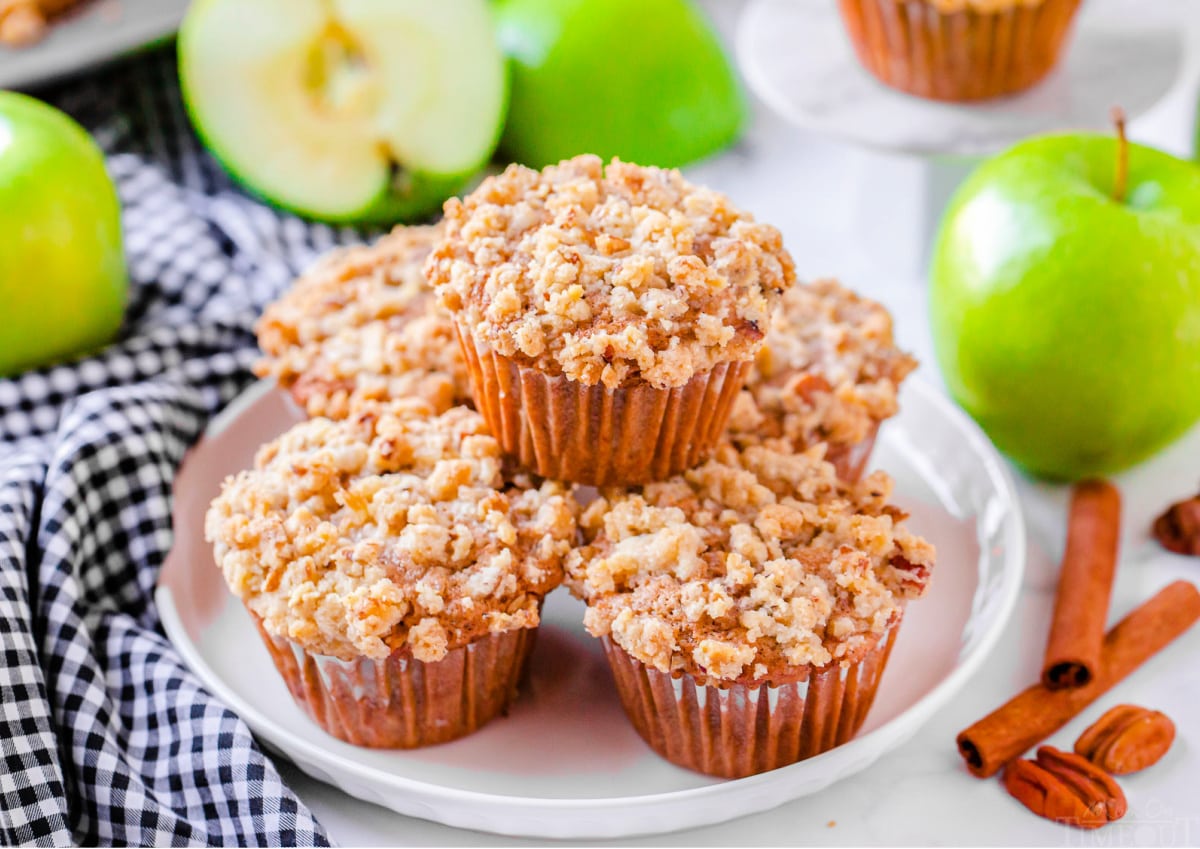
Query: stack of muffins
[(603, 377)]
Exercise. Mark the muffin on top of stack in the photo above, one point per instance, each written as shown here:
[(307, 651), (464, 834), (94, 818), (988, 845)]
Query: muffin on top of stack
[(618, 327)]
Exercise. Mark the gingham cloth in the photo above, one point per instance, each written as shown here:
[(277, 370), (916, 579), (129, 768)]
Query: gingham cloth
[(105, 736)]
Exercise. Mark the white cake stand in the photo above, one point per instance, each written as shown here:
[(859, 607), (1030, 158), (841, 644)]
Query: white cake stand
[(796, 56)]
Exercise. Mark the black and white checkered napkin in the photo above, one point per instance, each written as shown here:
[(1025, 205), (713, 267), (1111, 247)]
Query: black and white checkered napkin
[(105, 736)]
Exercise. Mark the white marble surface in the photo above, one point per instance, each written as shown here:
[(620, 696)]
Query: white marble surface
[(920, 794)]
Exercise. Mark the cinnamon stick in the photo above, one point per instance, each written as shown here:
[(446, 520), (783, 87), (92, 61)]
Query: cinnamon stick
[(1038, 712), (1084, 586)]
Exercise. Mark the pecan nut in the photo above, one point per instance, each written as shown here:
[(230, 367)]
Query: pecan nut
[(1178, 529), (1126, 739), (1066, 788)]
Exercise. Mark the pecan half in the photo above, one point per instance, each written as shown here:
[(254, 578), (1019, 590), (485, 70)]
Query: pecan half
[(1126, 739), (1179, 528), (1066, 788)]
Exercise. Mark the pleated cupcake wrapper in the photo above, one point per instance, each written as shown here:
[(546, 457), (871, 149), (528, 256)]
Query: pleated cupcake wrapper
[(563, 429), (401, 702), (850, 458), (740, 730), (958, 56)]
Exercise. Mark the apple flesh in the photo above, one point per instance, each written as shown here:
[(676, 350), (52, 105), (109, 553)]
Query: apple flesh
[(345, 110), (1065, 321), (63, 282), (645, 80)]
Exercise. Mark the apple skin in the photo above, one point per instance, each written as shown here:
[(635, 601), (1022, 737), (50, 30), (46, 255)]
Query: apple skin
[(1068, 324), (63, 281), (645, 80), (422, 198)]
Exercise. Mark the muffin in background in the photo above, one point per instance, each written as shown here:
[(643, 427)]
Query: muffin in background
[(363, 325), (395, 575), (828, 373), (748, 606), (608, 316), (959, 50)]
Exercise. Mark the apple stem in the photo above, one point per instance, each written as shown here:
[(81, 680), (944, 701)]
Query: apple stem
[(1120, 183)]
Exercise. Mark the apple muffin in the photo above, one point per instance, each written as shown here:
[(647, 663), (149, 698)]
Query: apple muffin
[(748, 606), (959, 50), (361, 326), (828, 373), (395, 574), (608, 315)]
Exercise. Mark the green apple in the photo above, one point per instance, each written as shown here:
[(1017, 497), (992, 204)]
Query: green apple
[(63, 282), (346, 110), (645, 80), (1065, 302)]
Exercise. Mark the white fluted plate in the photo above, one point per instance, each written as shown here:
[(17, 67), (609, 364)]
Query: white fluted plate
[(565, 762)]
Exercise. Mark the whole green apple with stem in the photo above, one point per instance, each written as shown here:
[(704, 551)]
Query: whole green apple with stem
[(645, 80), (1065, 301), (346, 110), (63, 282)]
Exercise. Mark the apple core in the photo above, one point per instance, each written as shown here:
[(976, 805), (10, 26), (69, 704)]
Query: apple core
[(338, 76)]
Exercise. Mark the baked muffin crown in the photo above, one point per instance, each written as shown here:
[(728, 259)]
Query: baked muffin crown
[(829, 370), (754, 567), (392, 529), (363, 325), (609, 275)]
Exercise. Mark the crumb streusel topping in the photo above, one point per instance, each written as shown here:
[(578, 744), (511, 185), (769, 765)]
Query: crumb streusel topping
[(609, 275), (749, 567), (391, 528), (828, 372), (363, 325)]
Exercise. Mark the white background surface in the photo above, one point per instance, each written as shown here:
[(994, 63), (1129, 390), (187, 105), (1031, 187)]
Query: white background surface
[(821, 194)]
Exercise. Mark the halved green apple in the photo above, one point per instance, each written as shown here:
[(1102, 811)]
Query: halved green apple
[(345, 110)]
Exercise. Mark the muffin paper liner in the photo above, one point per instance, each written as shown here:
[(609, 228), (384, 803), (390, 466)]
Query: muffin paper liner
[(958, 56), (742, 730), (560, 428), (850, 458), (401, 702)]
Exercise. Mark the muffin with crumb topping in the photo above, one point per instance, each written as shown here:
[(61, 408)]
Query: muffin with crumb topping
[(748, 606), (828, 374), (608, 315), (395, 575), (959, 50), (362, 326)]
